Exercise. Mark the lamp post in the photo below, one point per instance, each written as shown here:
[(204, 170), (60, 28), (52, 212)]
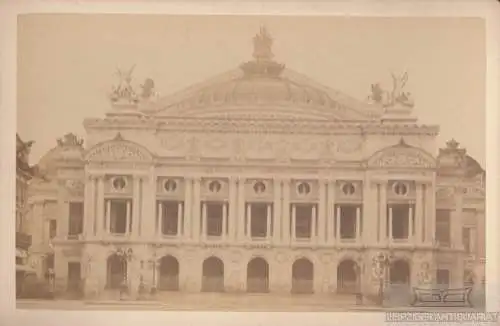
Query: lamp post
[(153, 263), (382, 263), (125, 256)]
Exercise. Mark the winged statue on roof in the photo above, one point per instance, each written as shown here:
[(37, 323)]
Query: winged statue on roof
[(397, 96)]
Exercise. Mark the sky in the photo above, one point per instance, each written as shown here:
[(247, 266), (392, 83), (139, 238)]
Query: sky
[(67, 63)]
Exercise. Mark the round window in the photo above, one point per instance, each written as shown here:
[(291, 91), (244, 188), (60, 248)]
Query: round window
[(170, 185), (119, 183), (400, 189), (348, 189), (214, 186), (303, 188), (259, 187)]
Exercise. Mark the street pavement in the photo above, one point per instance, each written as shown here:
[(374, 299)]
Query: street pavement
[(220, 302)]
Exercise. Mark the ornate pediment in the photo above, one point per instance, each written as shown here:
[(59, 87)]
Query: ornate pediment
[(118, 150), (401, 156)]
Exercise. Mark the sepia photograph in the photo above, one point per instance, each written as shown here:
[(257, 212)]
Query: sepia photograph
[(250, 163)]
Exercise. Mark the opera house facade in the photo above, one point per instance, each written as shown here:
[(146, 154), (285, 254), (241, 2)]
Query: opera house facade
[(257, 180)]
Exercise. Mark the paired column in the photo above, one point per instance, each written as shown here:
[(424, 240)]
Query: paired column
[(224, 221), (419, 214), (313, 223), (430, 210), (382, 188), (268, 221), (196, 209), (135, 218), (390, 224), (241, 210), (204, 221), (188, 192), (248, 227), (331, 213), (410, 224), (337, 224), (88, 216), (233, 208), (286, 212), (277, 210), (358, 224), (159, 219), (180, 213), (322, 211), (294, 221)]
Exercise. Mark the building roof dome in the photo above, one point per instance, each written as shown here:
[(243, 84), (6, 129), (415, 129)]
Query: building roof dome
[(260, 84), (69, 150)]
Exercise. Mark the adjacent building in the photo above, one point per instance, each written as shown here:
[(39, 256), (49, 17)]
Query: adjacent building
[(258, 180), (24, 173)]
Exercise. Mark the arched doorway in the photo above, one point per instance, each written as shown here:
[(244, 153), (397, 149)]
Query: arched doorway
[(116, 271), (169, 274), (399, 273), (258, 275), (213, 275), (347, 278), (302, 276)]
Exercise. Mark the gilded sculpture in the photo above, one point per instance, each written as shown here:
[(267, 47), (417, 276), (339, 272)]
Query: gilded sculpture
[(397, 96)]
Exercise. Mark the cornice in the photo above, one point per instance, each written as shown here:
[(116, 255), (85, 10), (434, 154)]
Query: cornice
[(259, 125)]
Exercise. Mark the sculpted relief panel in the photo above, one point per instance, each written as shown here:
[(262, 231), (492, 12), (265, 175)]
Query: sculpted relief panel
[(118, 151)]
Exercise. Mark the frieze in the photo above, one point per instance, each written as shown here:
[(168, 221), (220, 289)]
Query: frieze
[(401, 157)]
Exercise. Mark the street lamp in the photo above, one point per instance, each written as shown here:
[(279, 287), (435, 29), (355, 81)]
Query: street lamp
[(125, 256), (382, 263), (153, 263)]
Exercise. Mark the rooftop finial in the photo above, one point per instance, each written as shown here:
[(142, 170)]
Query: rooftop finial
[(262, 44)]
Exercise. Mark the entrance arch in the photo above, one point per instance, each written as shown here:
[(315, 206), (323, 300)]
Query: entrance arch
[(302, 276), (169, 274), (258, 275), (213, 275), (347, 278), (399, 272), (116, 271)]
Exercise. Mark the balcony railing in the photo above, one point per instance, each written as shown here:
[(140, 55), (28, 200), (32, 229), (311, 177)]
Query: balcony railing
[(23, 240)]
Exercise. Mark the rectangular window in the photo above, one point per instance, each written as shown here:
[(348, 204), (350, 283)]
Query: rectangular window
[(118, 215), (400, 220), (170, 218), (303, 221), (466, 239), (258, 221), (214, 218), (443, 278), (443, 227), (347, 221), (52, 229), (74, 276), (75, 218)]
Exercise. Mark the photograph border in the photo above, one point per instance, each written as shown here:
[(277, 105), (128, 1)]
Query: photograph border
[(488, 10)]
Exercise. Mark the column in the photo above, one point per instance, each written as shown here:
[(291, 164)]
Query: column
[(188, 191), (233, 208), (159, 219), (358, 224), (196, 209), (180, 213), (204, 221), (419, 214), (224, 221), (456, 221), (410, 225), (322, 212), (331, 214), (382, 187), (107, 218), (337, 222), (135, 217), (88, 199), (285, 211), (430, 207), (129, 217), (313, 223), (370, 214), (277, 211), (390, 224), (149, 205), (248, 233), (97, 205), (269, 220), (294, 215), (241, 210)]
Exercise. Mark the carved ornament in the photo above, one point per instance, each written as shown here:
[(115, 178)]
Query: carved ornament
[(120, 151), (401, 156)]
